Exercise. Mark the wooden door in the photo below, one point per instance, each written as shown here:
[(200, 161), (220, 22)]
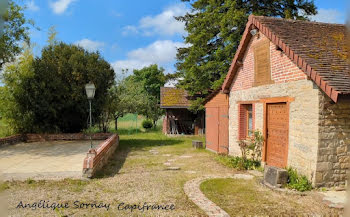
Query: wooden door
[(223, 130), (277, 124), (212, 129)]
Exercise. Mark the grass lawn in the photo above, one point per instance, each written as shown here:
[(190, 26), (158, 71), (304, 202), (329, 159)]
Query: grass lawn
[(242, 198), (136, 174)]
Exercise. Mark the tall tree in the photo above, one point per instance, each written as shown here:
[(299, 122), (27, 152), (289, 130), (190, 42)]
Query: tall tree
[(214, 32), (151, 79), (51, 91), (14, 29), (13, 93)]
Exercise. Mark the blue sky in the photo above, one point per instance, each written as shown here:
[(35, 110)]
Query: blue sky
[(129, 34)]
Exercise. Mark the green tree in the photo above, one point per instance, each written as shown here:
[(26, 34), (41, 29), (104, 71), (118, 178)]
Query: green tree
[(151, 79), (13, 93), (13, 30), (53, 95), (214, 32)]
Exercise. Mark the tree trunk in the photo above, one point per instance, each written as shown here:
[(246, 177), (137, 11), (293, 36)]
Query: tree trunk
[(116, 123)]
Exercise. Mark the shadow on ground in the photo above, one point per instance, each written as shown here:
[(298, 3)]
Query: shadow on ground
[(125, 147)]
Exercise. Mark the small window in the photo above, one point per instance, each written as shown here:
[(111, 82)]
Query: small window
[(246, 122), (250, 119)]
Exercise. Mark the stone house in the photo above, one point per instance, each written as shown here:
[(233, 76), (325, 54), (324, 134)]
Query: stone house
[(290, 80)]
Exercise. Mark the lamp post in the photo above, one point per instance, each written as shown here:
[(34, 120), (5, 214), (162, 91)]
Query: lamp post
[(90, 93)]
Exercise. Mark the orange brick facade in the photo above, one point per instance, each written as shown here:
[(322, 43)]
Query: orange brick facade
[(282, 68)]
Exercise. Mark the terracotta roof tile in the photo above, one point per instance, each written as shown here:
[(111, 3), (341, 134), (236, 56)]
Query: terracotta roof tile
[(319, 49), (322, 45), (171, 97)]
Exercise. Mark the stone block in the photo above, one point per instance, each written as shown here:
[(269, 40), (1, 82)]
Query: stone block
[(197, 144), (274, 176), (324, 166), (319, 177)]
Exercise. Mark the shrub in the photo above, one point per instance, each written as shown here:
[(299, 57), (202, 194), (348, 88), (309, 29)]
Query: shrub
[(298, 182), (147, 124), (238, 162)]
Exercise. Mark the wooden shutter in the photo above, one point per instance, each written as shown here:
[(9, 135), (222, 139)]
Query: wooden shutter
[(262, 63), (242, 121)]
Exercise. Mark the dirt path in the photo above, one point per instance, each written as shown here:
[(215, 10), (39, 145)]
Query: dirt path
[(147, 169)]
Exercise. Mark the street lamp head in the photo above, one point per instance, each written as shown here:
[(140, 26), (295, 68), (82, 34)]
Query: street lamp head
[(90, 90)]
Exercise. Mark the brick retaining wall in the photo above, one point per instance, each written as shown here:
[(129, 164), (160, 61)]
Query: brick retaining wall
[(11, 140), (65, 136), (96, 158)]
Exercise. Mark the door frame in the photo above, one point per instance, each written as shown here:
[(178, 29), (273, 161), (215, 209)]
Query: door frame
[(274, 100)]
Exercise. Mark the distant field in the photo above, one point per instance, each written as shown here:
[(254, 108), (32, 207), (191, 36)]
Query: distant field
[(130, 121), (130, 124)]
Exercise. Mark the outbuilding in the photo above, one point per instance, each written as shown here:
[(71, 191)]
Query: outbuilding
[(178, 119), (290, 79), (216, 118)]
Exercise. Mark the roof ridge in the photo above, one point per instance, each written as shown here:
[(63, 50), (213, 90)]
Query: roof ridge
[(327, 85), (301, 21)]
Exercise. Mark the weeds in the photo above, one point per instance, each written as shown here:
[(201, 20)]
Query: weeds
[(298, 182), (238, 162), (4, 186)]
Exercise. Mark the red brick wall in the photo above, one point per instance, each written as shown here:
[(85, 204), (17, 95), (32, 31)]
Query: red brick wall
[(11, 140), (97, 158), (282, 68), (65, 136)]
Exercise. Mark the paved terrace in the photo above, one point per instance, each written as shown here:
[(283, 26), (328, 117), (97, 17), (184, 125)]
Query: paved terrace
[(44, 160)]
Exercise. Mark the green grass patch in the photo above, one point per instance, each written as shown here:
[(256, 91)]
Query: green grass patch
[(240, 197), (4, 186), (236, 196), (238, 162), (297, 181), (143, 142)]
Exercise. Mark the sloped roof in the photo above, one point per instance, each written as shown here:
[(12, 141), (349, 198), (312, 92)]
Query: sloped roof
[(171, 97), (319, 49)]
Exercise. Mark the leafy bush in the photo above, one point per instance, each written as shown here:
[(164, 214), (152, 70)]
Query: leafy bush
[(238, 162), (147, 124), (46, 94), (252, 146), (298, 182)]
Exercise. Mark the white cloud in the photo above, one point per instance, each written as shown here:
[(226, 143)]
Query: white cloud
[(60, 6), (159, 52), (163, 23), (130, 30), (328, 16), (89, 44), (32, 6)]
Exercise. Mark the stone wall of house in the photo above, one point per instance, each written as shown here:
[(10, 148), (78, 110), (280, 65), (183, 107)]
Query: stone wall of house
[(303, 120), (333, 162), (289, 81), (319, 129)]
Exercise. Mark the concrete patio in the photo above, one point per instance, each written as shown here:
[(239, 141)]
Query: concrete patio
[(43, 160)]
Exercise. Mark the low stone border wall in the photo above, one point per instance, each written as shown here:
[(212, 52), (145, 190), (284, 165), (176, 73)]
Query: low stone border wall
[(11, 140), (97, 158), (65, 136)]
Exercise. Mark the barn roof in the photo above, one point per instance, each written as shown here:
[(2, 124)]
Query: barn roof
[(171, 97), (319, 49)]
